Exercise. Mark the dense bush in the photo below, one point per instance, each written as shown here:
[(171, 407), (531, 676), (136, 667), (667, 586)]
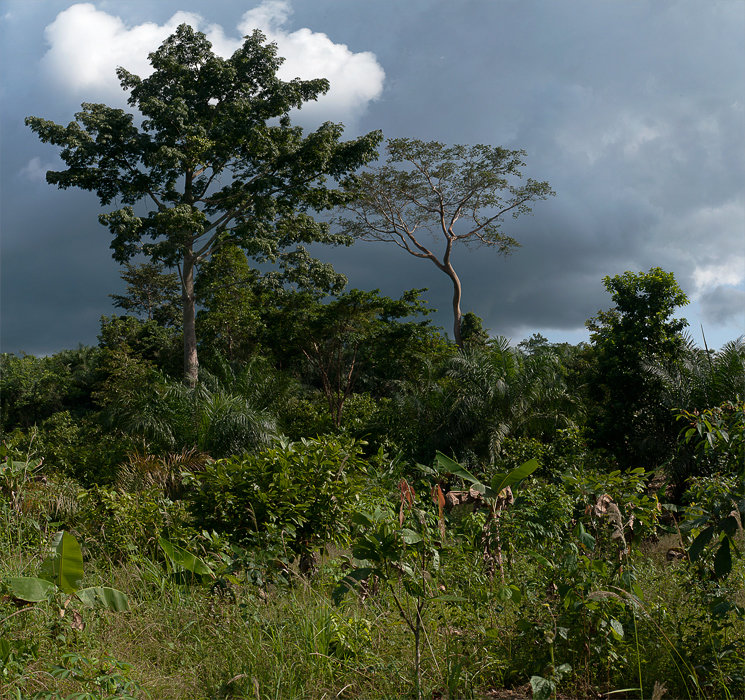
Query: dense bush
[(302, 490)]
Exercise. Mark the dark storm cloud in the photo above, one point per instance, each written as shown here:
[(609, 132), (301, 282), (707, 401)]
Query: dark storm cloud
[(634, 112), (724, 305)]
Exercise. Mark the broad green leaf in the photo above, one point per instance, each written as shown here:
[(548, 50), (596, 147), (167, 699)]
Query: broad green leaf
[(410, 537), (585, 538), (616, 628), (542, 687), (517, 594), (64, 567), (704, 537), (103, 597), (504, 594), (363, 519), (540, 559), (448, 465), (30, 589), (405, 568), (730, 525), (181, 559), (366, 549), (723, 559), (349, 582), (413, 586), (502, 481)]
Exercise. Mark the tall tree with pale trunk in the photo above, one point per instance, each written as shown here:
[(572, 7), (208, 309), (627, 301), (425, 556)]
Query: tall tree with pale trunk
[(428, 198), (213, 155)]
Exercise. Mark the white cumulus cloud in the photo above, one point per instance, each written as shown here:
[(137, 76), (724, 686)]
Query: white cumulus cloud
[(86, 45), (730, 272), (356, 78)]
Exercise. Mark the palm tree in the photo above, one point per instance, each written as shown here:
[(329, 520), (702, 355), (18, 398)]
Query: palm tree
[(699, 379), (224, 416), (501, 391)]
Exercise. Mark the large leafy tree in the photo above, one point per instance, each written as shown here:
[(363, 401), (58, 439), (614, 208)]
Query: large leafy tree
[(628, 415), (429, 198), (214, 157), (239, 303)]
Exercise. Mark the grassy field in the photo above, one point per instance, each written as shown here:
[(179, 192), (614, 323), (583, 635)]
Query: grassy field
[(572, 609)]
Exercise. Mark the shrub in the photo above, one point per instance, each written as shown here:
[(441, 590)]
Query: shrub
[(123, 524), (303, 489)]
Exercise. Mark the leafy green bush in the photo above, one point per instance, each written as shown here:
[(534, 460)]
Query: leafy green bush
[(301, 489), (717, 434), (122, 524), (305, 416), (541, 516)]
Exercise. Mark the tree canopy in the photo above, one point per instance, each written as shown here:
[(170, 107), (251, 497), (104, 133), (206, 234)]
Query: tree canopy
[(214, 158)]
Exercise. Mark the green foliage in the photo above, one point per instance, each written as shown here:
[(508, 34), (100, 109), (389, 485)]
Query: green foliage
[(306, 415), (499, 481), (543, 513), (62, 572), (472, 331), (30, 389), (64, 568), (545, 688), (180, 560), (718, 433), (403, 554), (230, 318), (34, 388), (497, 392), (123, 524), (14, 477), (139, 340), (699, 378), (15, 654), (358, 339), (92, 678), (301, 491), (171, 416), (617, 505), (644, 304), (628, 418)]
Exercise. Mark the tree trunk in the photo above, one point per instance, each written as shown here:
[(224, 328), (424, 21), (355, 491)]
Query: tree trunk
[(191, 362), (457, 292)]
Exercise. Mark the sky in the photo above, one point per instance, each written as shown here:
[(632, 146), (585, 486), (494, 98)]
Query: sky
[(633, 111)]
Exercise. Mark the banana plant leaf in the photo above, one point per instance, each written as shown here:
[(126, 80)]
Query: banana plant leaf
[(499, 481), (502, 481), (104, 597), (64, 567), (30, 588), (447, 465), (181, 560)]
